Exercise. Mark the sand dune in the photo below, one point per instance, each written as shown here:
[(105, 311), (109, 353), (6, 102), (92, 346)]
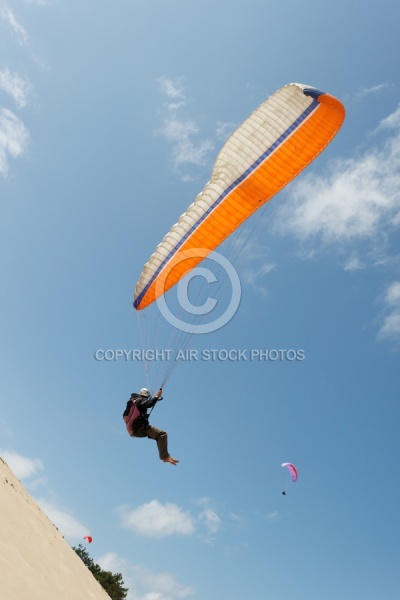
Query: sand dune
[(36, 563)]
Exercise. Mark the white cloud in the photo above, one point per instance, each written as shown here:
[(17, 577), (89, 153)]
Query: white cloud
[(22, 466), (355, 209), (253, 277), (390, 328), (184, 149), (374, 89), (353, 263), (392, 121), (16, 86), (250, 256), (181, 131), (358, 199), (203, 501), (143, 583), (224, 130), (210, 519), (63, 519), (8, 17), (273, 515), (156, 520), (235, 518), (175, 130), (173, 89), (14, 138)]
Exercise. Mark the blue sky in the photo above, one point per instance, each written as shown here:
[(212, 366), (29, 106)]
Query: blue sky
[(110, 122)]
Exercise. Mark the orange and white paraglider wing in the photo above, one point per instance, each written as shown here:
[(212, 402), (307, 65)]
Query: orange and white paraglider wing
[(264, 154)]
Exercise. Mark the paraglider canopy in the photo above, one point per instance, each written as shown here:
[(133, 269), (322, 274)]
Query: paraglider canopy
[(292, 470), (275, 143), (88, 538), (267, 151)]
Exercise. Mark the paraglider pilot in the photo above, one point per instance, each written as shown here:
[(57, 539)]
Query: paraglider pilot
[(137, 422)]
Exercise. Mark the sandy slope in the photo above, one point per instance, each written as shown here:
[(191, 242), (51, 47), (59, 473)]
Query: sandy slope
[(36, 563)]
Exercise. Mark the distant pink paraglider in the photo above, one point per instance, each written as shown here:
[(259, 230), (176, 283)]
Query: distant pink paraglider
[(88, 538), (292, 470)]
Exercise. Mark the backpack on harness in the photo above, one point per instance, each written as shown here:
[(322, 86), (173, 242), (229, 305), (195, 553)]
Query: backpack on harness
[(131, 414)]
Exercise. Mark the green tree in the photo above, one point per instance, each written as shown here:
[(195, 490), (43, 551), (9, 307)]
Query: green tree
[(112, 583)]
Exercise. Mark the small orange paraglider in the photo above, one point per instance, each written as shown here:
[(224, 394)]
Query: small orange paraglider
[(88, 538)]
